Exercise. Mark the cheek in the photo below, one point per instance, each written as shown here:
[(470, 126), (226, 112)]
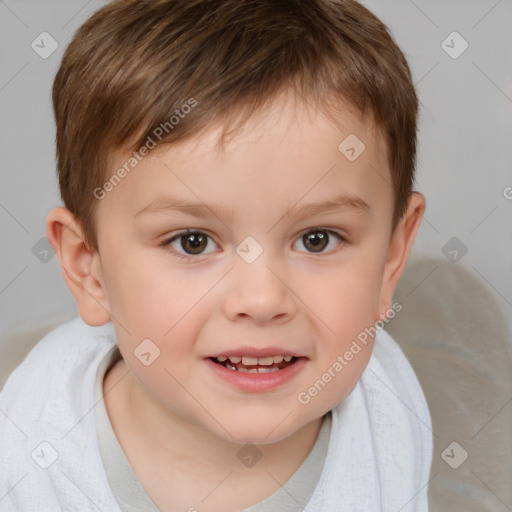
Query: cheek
[(156, 302), (345, 300), (347, 308), (149, 295)]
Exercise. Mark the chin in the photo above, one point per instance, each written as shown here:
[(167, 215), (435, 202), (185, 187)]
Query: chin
[(256, 429)]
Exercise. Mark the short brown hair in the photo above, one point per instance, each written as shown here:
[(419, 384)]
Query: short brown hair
[(132, 65)]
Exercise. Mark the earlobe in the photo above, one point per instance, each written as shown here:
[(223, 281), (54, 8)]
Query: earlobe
[(79, 266), (400, 246)]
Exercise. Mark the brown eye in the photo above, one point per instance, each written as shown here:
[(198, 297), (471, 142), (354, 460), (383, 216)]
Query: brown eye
[(190, 243), (194, 243), (318, 240)]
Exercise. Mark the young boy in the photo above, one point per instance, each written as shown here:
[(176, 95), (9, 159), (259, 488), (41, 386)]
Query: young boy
[(232, 285)]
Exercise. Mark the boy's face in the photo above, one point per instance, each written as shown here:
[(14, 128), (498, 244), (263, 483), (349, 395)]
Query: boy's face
[(262, 269)]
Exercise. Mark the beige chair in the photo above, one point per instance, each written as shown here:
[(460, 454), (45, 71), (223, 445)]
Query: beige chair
[(454, 333)]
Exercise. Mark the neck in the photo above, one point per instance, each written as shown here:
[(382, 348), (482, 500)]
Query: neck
[(163, 447)]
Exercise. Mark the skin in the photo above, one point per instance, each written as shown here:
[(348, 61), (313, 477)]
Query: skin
[(178, 424)]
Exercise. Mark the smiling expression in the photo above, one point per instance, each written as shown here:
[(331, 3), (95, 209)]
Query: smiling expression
[(274, 247)]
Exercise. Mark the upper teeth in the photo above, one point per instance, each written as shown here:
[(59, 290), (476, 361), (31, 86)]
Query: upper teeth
[(251, 361)]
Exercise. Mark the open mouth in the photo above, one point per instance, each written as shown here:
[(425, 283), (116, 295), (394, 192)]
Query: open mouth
[(255, 364)]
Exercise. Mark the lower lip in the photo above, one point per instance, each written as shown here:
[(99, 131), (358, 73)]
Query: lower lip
[(257, 382)]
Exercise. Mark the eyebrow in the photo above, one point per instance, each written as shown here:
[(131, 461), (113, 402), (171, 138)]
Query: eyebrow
[(202, 210)]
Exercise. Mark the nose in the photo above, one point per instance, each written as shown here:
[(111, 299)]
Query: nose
[(259, 293)]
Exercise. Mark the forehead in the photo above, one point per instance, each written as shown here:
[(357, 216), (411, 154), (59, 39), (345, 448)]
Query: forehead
[(287, 115), (289, 152)]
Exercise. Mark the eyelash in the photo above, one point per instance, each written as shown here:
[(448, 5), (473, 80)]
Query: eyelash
[(167, 242)]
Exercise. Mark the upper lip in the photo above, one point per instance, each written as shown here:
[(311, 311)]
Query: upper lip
[(256, 352)]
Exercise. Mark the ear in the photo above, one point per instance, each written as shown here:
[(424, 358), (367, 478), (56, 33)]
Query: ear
[(400, 245), (81, 266)]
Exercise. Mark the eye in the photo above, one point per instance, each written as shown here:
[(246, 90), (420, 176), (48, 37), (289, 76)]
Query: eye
[(316, 240), (190, 242)]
